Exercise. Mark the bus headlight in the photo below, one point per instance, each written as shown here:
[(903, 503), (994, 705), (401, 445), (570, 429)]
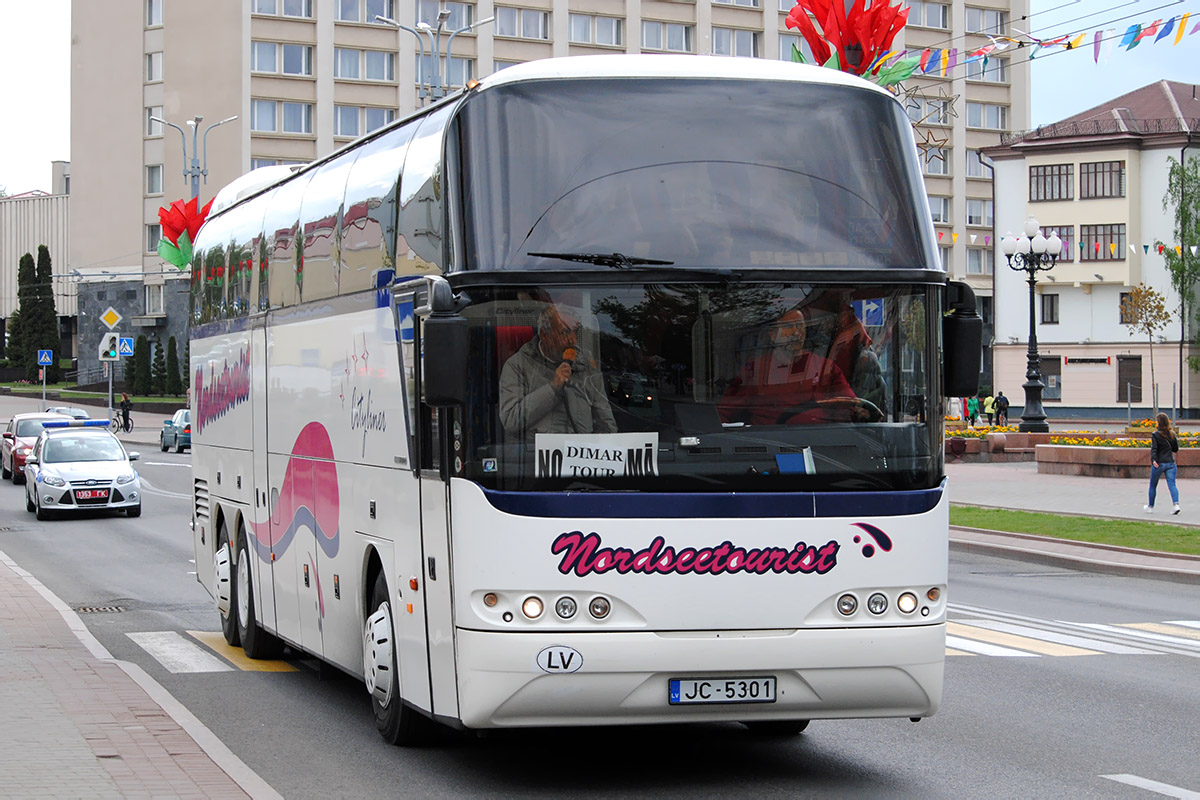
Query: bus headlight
[(565, 607), (599, 607), (877, 603), (907, 603), (532, 607), (847, 604)]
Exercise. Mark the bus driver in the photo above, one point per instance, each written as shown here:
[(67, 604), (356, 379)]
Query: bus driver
[(547, 387)]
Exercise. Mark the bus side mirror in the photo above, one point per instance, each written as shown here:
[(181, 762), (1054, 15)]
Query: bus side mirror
[(962, 342), (445, 341)]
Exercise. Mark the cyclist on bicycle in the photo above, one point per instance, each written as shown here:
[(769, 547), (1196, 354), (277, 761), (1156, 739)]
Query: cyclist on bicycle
[(126, 406)]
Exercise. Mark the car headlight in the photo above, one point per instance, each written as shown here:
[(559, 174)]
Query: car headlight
[(53, 480), (126, 478), (23, 451)]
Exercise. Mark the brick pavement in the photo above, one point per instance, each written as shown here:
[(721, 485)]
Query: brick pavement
[(78, 723)]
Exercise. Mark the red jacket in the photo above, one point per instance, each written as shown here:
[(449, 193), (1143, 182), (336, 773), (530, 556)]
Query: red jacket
[(759, 398)]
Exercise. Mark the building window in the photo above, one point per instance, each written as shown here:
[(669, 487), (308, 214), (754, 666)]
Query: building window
[(734, 42), (672, 36), (927, 111), (1129, 379), (154, 128), (945, 253), (1049, 309), (1067, 234), (788, 41), (297, 117), (989, 70), (1052, 182), (154, 300), (1124, 309), (980, 261), (1102, 179), (976, 166), (263, 116), (291, 8), (345, 120), (989, 116), (379, 66), (154, 11), (498, 64), (461, 14), (264, 57), (986, 20), (374, 118), (586, 29), (455, 71), (259, 163), (928, 15), (153, 234), (1102, 242), (347, 10), (297, 59), (936, 161), (744, 3), (154, 179), (522, 23), (347, 63), (979, 212), (154, 67), (939, 208)]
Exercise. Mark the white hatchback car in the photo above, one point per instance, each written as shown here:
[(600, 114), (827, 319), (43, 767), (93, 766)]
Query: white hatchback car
[(78, 465)]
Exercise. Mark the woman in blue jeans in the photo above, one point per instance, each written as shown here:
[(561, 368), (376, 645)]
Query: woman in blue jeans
[(1164, 444)]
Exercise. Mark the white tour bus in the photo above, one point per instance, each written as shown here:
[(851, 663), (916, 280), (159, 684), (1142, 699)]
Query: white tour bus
[(565, 402)]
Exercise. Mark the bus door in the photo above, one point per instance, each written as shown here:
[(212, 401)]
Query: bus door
[(260, 514)]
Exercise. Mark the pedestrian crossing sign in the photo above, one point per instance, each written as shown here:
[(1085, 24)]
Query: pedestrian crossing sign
[(126, 348), (45, 358)]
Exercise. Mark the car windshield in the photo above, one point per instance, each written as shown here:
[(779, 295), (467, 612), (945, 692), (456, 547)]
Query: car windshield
[(30, 427), (748, 387), (64, 449)]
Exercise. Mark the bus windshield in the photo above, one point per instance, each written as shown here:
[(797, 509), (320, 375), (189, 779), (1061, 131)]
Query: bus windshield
[(832, 189), (700, 387)]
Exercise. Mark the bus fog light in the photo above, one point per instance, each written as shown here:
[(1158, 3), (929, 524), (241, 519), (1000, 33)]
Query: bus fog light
[(934, 593), (907, 602), (532, 607), (847, 604), (599, 607), (490, 599), (877, 603), (565, 607)]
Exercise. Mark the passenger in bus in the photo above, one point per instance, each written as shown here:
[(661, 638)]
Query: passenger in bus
[(549, 386), (786, 384)]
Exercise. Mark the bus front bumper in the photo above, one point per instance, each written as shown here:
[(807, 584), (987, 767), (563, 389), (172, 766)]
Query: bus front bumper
[(623, 678)]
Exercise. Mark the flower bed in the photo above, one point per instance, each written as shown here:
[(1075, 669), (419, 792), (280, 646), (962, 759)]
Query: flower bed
[(1127, 459)]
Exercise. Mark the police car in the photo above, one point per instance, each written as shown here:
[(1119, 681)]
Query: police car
[(77, 465)]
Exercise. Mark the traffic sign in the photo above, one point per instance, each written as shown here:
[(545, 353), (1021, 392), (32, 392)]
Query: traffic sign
[(45, 358), (126, 346), (111, 318), (109, 343)]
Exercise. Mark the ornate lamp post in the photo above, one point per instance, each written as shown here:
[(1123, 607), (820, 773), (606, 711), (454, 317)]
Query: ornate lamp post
[(1032, 253)]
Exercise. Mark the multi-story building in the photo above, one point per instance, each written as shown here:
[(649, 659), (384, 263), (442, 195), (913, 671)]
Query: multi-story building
[(306, 76), (1099, 180)]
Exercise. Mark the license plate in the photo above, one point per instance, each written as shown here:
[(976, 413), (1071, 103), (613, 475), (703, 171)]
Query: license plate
[(688, 691), (91, 494)]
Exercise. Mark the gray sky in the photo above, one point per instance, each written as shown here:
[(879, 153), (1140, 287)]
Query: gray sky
[(35, 79)]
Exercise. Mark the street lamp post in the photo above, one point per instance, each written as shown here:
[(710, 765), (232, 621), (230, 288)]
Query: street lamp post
[(194, 171), (420, 54), (437, 83), (1032, 253)]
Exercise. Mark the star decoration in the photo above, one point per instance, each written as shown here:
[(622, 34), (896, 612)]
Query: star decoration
[(927, 140), (951, 100)]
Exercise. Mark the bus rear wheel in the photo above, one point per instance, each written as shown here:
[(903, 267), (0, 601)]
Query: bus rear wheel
[(777, 728), (257, 642), (226, 587), (398, 723)]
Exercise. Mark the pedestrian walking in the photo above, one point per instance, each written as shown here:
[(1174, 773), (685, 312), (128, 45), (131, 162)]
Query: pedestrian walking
[(989, 407), (1001, 409), (973, 409), (1164, 444)]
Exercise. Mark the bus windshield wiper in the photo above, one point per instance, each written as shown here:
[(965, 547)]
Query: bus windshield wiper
[(617, 260)]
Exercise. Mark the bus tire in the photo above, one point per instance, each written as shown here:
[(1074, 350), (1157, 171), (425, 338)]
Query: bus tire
[(397, 723), (776, 728), (229, 626), (257, 642)]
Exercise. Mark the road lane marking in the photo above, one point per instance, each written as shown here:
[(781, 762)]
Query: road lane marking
[(166, 464), (1017, 642), (950, 651), (176, 653), (1186, 646), (237, 656), (1154, 786), (1187, 623), (152, 489), (1168, 628), (1062, 638), (980, 648)]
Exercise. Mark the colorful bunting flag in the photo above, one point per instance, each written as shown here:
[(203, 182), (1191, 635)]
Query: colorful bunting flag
[(976, 236), (954, 238)]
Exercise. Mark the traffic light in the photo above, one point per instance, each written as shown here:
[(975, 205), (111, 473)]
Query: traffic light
[(109, 346)]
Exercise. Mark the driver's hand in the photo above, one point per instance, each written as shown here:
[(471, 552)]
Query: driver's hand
[(860, 414), (561, 376)]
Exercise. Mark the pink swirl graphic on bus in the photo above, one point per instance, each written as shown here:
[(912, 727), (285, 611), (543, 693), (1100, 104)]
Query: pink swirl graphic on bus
[(583, 555), (222, 392), (308, 497)]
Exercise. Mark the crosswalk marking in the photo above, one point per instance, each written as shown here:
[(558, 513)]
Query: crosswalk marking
[(1018, 642), (1062, 638), (176, 653), (984, 649), (237, 656), (1168, 628)]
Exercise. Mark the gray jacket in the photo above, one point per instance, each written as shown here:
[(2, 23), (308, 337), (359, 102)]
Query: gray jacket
[(530, 405)]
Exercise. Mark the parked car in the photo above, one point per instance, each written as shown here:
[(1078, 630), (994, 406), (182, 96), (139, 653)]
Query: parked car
[(77, 465), (19, 437), (177, 431), (70, 411)]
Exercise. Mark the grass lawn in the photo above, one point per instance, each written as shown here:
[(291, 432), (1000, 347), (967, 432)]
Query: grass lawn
[(67, 393), (1120, 532)]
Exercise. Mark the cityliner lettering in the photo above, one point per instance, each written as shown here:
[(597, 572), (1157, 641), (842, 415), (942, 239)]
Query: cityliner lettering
[(583, 555)]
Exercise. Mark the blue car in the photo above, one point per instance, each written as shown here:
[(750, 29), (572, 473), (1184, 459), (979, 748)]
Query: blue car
[(177, 432)]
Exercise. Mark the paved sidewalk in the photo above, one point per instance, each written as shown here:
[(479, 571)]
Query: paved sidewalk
[(78, 723)]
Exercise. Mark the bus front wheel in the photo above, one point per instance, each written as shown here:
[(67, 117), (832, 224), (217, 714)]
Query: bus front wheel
[(257, 642), (226, 587), (398, 723)]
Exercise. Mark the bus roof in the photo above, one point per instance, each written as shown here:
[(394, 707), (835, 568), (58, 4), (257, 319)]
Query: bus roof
[(655, 65)]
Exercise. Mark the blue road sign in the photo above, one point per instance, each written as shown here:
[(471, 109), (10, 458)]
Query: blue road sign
[(45, 358), (126, 348), (870, 312)]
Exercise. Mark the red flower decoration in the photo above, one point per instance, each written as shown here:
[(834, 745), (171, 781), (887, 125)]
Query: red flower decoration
[(868, 33)]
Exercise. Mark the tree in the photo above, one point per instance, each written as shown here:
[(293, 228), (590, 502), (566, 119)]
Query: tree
[(1145, 310), (1183, 198), (141, 361), (131, 373), (158, 371), (18, 339), (44, 332), (174, 385)]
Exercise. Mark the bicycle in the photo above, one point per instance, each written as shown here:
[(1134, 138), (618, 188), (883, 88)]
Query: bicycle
[(118, 424)]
